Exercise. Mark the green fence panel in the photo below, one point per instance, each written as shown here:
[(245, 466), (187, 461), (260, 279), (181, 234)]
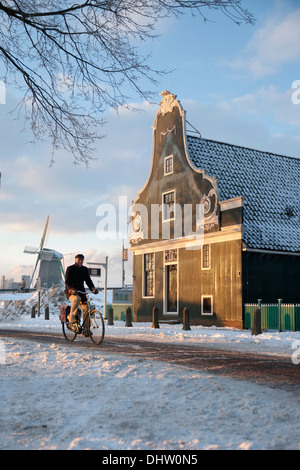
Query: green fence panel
[(248, 315), (119, 311), (287, 317), (272, 317), (290, 316)]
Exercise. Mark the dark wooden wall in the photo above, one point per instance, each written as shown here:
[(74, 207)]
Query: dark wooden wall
[(223, 281), (271, 277)]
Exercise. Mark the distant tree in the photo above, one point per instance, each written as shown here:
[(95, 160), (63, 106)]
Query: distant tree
[(76, 60)]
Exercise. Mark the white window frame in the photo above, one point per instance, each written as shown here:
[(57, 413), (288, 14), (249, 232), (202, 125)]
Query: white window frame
[(212, 304), (163, 205), (169, 263), (165, 165)]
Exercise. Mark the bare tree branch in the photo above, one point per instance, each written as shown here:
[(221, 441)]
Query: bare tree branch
[(76, 60)]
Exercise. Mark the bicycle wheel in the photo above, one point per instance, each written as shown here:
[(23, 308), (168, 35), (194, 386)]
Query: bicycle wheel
[(68, 334), (96, 327)]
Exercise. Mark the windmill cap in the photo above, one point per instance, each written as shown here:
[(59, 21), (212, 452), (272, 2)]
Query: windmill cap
[(79, 256)]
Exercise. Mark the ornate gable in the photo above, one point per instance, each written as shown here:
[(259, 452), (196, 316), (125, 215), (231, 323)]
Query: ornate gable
[(173, 179)]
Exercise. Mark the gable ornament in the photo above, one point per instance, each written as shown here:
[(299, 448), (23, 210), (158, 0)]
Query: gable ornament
[(136, 233), (168, 102)]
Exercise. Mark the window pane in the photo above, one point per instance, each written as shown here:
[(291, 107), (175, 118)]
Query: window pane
[(168, 201), (207, 305), (170, 256), (149, 274), (169, 165), (205, 257)]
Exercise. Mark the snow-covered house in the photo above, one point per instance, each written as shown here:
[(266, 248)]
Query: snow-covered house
[(215, 226)]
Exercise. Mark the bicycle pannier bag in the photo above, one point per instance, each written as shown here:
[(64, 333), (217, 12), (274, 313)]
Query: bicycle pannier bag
[(64, 312)]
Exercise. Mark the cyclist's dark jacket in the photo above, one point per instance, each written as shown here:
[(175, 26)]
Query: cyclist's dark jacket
[(75, 278)]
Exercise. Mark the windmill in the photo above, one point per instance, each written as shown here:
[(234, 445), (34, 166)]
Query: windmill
[(50, 266)]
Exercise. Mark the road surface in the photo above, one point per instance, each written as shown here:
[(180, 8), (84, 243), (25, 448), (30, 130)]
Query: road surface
[(275, 371)]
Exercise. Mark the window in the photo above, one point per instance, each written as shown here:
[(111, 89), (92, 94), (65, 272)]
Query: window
[(171, 256), (206, 257), (169, 165), (168, 205), (206, 305), (149, 275)]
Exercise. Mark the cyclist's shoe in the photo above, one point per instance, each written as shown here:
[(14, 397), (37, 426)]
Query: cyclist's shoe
[(72, 319), (86, 332), (74, 327)]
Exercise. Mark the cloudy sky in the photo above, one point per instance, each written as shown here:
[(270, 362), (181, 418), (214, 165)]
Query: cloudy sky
[(235, 82)]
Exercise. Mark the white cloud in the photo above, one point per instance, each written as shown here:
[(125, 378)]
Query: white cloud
[(270, 101), (273, 45), (17, 272), (248, 121)]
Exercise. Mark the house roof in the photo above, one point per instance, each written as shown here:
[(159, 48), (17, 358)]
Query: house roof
[(270, 185)]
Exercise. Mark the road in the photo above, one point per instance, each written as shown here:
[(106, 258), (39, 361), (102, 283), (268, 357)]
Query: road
[(272, 370)]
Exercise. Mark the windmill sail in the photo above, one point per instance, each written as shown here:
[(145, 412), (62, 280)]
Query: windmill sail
[(44, 233), (48, 260), (31, 250)]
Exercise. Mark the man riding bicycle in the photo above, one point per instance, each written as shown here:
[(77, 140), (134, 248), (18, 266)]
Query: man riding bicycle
[(75, 277)]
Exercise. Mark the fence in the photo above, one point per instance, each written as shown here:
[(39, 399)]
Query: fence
[(119, 310), (274, 316)]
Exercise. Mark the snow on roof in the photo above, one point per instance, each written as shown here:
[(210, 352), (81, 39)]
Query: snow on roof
[(270, 184)]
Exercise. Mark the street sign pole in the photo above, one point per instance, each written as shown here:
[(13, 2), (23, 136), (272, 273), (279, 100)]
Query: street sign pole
[(105, 287), (105, 266), (123, 271), (124, 258)]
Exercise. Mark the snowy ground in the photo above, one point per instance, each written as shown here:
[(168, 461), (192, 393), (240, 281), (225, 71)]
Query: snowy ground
[(59, 397)]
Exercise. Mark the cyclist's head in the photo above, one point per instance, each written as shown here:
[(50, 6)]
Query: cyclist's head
[(79, 259)]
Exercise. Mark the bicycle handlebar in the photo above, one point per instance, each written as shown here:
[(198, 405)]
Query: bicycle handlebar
[(81, 292)]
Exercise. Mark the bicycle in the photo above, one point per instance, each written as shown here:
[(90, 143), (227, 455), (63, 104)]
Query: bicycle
[(20, 290), (92, 325)]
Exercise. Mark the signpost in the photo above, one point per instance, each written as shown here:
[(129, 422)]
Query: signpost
[(38, 287), (124, 258), (96, 272)]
